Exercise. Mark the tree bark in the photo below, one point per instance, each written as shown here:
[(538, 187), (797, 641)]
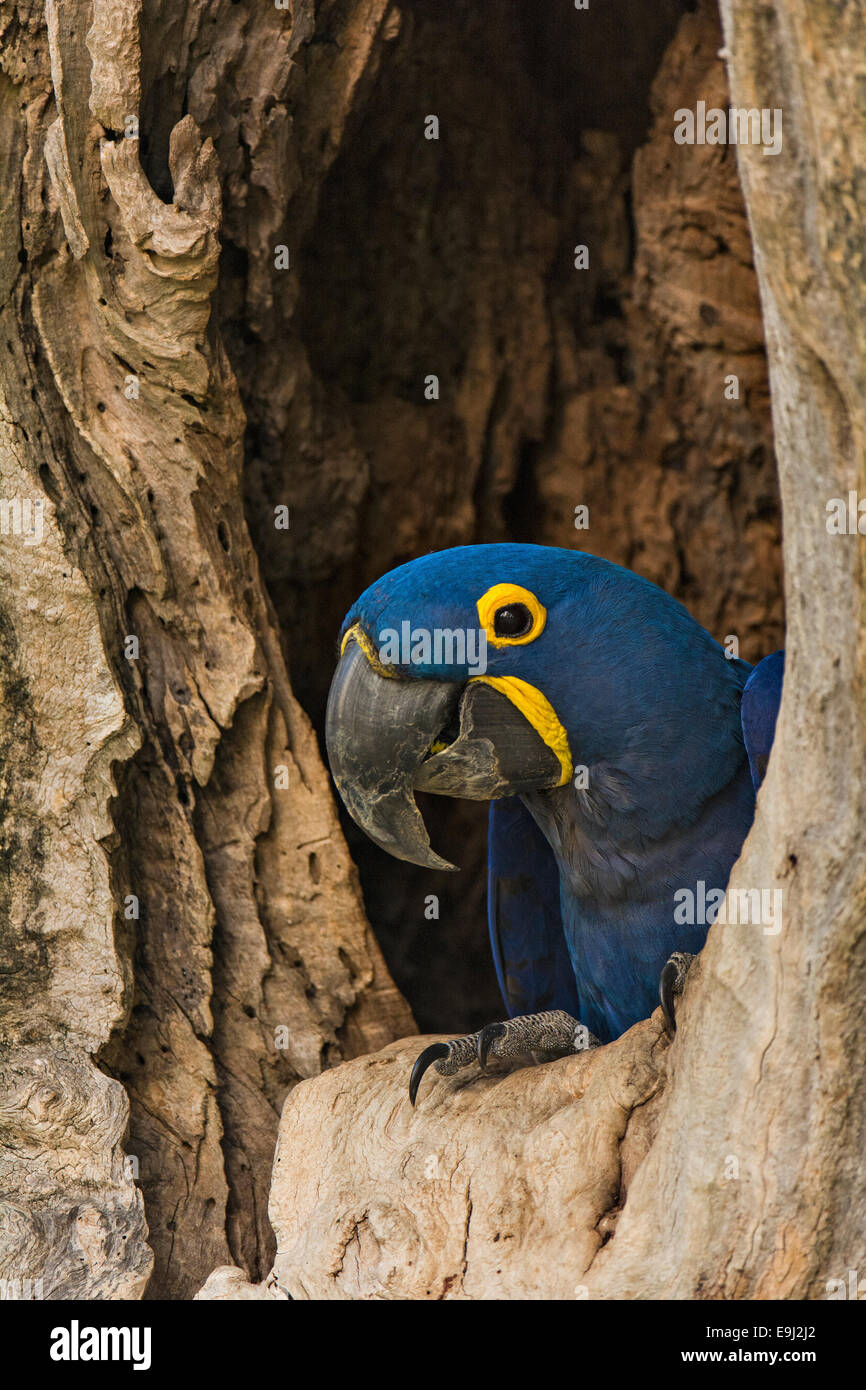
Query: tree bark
[(182, 923), (771, 1049)]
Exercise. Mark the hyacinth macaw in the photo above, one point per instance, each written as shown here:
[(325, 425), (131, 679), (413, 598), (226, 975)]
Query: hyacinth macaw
[(620, 749)]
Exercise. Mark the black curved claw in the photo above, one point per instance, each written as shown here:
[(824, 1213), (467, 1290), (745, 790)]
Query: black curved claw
[(488, 1035), (667, 985), (430, 1055)]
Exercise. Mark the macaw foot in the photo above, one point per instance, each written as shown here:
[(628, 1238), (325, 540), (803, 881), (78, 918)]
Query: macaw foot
[(671, 983), (555, 1033)]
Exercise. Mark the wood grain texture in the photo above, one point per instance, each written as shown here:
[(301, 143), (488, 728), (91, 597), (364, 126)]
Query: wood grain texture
[(500, 1186), (159, 776)]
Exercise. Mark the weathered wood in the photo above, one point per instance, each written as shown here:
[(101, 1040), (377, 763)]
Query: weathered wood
[(768, 1067), (180, 903), (499, 1186)]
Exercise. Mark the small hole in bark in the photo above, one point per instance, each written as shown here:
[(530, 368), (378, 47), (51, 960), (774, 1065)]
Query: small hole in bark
[(223, 536), (100, 406), (313, 865), (607, 306), (48, 482), (674, 457)]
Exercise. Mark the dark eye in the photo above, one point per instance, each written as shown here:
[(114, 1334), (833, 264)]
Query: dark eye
[(515, 620)]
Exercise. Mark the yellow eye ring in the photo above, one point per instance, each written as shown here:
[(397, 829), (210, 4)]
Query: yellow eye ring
[(503, 596)]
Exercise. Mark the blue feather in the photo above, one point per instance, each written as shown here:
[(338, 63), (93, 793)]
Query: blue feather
[(761, 698), (524, 914)]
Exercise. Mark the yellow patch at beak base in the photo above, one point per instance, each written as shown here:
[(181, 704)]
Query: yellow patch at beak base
[(539, 712), (357, 634)]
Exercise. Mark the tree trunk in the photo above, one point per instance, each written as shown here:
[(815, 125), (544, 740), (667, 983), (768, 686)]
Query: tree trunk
[(182, 925), (771, 1050)]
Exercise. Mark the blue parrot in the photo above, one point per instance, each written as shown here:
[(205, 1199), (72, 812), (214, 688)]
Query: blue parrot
[(620, 749)]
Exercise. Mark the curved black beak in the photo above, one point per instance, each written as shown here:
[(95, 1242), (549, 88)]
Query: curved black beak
[(377, 730), (388, 736)]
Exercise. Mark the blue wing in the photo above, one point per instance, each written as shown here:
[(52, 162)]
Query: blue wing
[(533, 965), (523, 911), (761, 696)]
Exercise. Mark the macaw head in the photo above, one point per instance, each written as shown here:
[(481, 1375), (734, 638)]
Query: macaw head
[(493, 670)]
